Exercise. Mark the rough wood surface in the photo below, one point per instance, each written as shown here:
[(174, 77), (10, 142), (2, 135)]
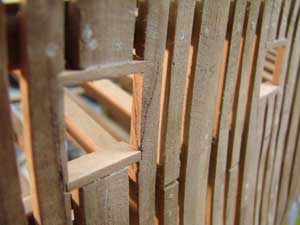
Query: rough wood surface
[(11, 207), (195, 179), (105, 201), (43, 117)]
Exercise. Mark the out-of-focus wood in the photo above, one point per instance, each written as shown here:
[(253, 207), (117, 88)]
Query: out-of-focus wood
[(42, 108), (11, 208)]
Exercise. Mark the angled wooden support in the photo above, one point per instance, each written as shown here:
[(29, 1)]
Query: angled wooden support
[(41, 97), (11, 207)]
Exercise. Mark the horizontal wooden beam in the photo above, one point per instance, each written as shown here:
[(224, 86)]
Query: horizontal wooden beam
[(112, 70)]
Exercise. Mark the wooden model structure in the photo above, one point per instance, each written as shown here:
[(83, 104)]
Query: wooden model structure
[(204, 104)]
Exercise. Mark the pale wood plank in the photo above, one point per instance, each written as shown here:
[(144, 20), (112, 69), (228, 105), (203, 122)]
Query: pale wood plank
[(209, 56), (11, 208), (116, 100), (239, 112), (43, 117), (106, 200), (290, 148), (105, 31), (146, 108), (251, 152), (284, 19), (231, 72), (284, 121), (100, 164), (263, 154), (112, 70), (274, 19)]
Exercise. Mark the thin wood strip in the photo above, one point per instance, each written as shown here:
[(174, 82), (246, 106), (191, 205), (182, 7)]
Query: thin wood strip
[(251, 152), (284, 19), (231, 72), (145, 124), (11, 208), (263, 155), (112, 70), (284, 121), (209, 56), (290, 147), (105, 201), (43, 117), (90, 167), (84, 129), (239, 111), (116, 100), (274, 20)]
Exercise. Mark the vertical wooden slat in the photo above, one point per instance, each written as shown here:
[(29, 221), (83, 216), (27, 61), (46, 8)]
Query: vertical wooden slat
[(284, 121), (106, 31), (231, 71), (11, 208), (274, 19), (240, 109), (284, 19), (106, 200), (43, 43), (146, 108), (209, 56), (251, 156), (290, 146)]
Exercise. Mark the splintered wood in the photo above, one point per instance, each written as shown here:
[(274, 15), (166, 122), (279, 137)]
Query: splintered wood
[(184, 112)]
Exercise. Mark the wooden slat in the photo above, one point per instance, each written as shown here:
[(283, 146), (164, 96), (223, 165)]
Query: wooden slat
[(284, 19), (240, 110), (274, 19), (43, 117), (105, 201), (231, 72), (99, 164), (284, 121), (113, 70), (11, 208), (84, 129), (209, 56), (146, 108), (106, 31), (116, 100), (290, 148), (251, 154), (263, 154)]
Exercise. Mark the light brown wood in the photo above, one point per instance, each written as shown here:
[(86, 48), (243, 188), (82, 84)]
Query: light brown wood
[(106, 200), (104, 162), (113, 70), (116, 100), (42, 108), (274, 20), (11, 207), (284, 19), (208, 65)]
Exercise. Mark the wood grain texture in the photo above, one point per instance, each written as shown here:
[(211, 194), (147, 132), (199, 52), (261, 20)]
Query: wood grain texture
[(42, 105), (106, 31), (106, 200), (146, 132), (195, 179), (11, 207), (231, 71), (251, 154)]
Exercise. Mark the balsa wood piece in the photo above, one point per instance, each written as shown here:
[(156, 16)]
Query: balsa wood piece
[(170, 152), (84, 129), (116, 100), (240, 109), (99, 164), (146, 132), (106, 31), (11, 207), (97, 72), (251, 152), (290, 148), (263, 154), (43, 117), (284, 122), (209, 57), (106, 201), (231, 72)]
